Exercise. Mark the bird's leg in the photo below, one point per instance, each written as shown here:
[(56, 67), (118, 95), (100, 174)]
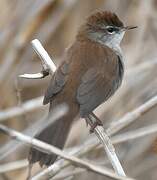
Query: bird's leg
[(93, 121), (97, 123)]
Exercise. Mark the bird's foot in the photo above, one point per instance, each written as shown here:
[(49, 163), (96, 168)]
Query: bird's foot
[(95, 124)]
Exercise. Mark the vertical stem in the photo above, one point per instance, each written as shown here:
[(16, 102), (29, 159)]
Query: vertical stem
[(107, 144)]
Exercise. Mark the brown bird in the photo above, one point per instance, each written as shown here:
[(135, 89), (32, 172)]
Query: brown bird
[(91, 71)]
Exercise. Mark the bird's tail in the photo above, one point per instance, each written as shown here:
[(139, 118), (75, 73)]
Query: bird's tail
[(55, 134)]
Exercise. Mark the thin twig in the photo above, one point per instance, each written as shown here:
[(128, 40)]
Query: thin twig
[(132, 116), (46, 148), (34, 76), (138, 133), (107, 144)]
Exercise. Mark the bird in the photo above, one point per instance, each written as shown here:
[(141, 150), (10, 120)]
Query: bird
[(90, 72)]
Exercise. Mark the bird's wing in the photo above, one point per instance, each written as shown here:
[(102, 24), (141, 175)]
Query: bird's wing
[(94, 89), (57, 82)]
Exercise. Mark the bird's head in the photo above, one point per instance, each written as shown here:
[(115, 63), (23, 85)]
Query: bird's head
[(104, 27)]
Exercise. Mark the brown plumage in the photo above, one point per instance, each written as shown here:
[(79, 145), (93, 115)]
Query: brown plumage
[(104, 17), (89, 74)]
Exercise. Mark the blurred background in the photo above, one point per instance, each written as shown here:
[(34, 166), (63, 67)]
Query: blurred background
[(55, 24)]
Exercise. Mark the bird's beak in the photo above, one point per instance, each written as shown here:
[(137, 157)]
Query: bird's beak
[(129, 28)]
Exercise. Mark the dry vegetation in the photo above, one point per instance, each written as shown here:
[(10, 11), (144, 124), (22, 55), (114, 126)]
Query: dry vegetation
[(55, 23)]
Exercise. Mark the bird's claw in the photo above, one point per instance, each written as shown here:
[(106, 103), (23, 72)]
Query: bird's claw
[(95, 124)]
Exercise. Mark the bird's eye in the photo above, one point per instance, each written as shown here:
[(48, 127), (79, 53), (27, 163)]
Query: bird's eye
[(110, 30)]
